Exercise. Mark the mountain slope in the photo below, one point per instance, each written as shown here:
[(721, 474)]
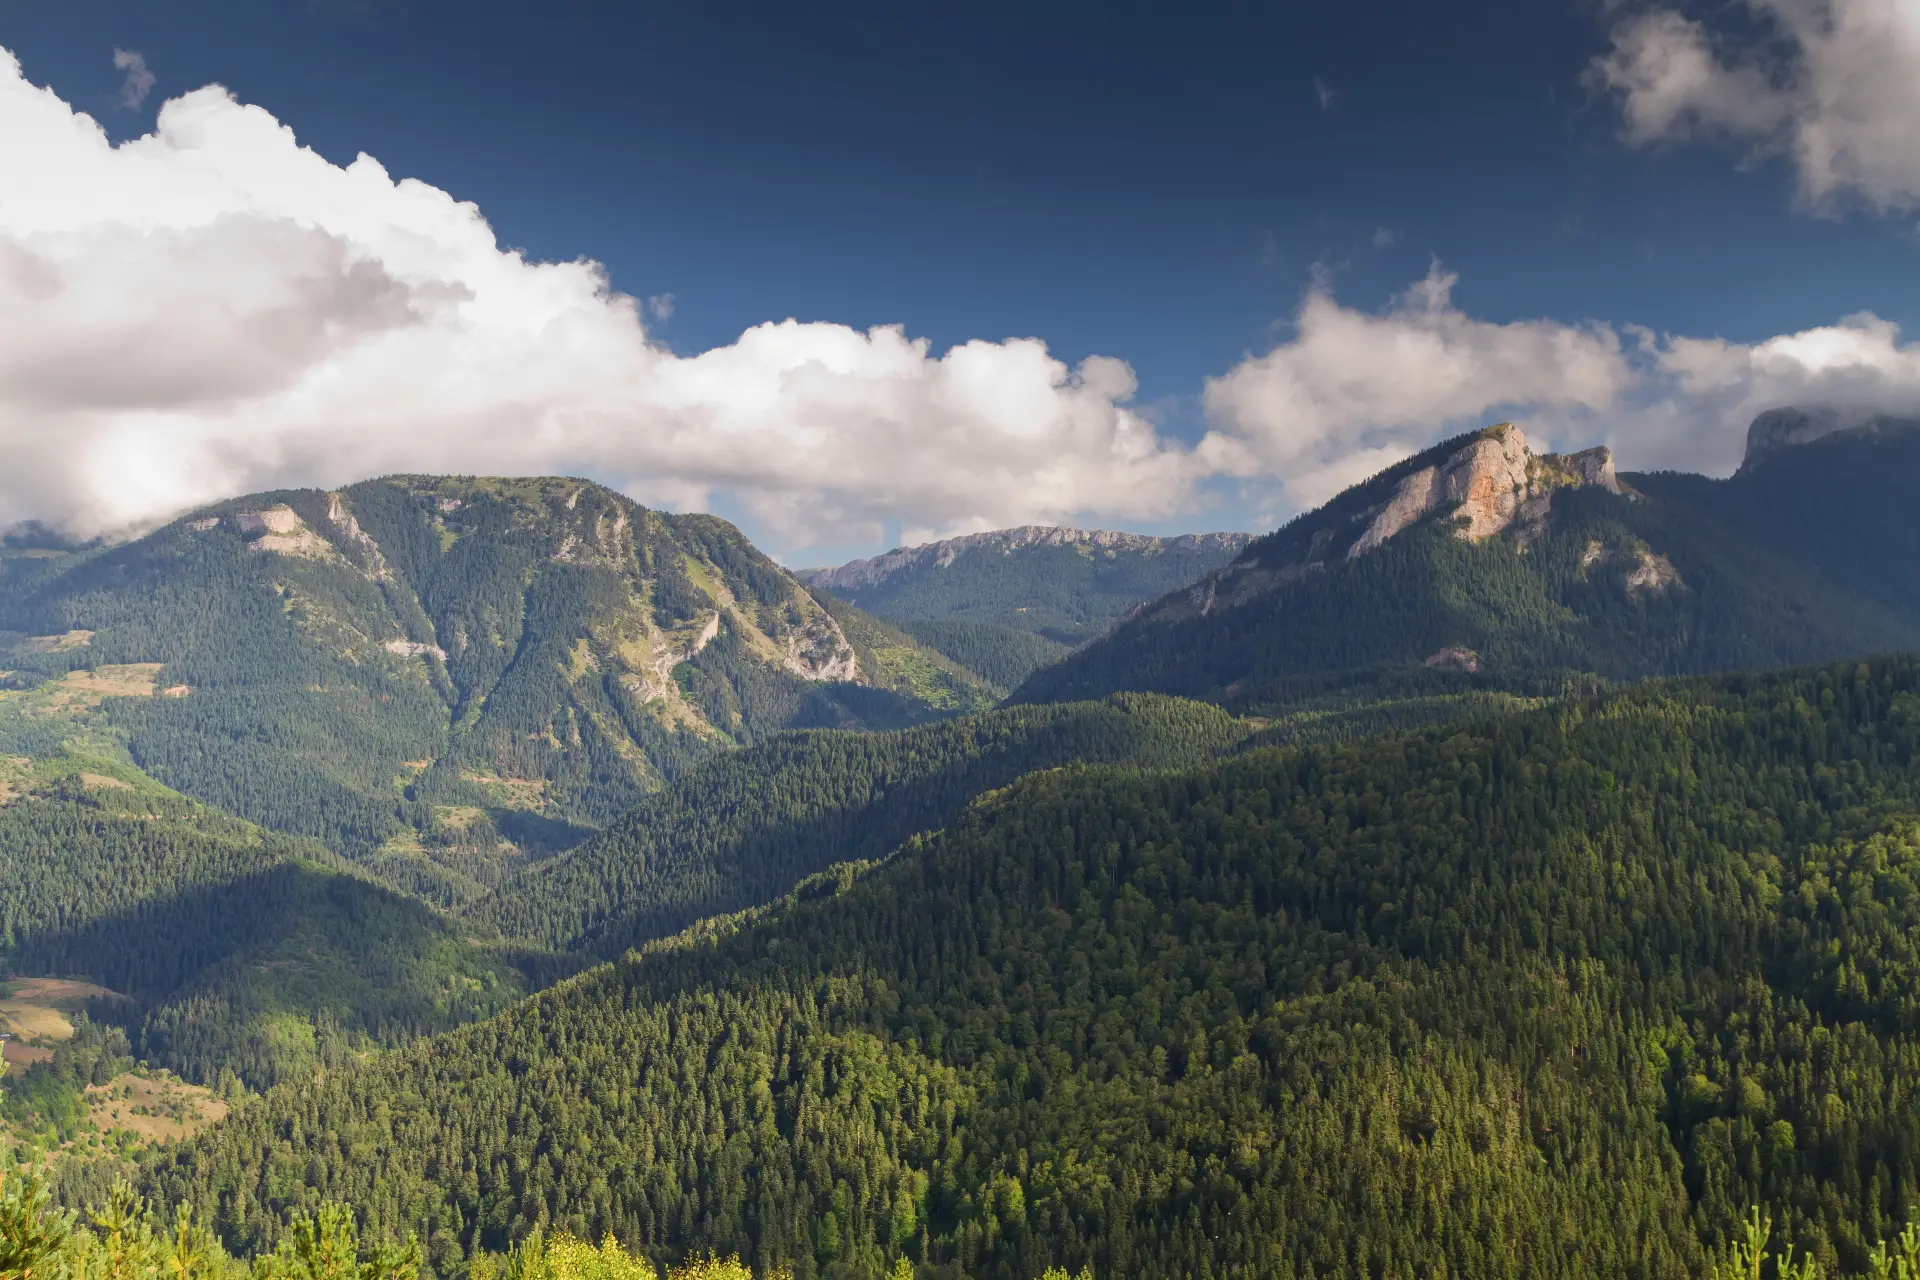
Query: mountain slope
[(429, 667), (239, 949), (1007, 602), (1478, 565), (1557, 995), (744, 828)]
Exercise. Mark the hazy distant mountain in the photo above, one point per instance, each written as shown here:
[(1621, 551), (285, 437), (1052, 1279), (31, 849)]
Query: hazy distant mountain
[(1007, 602), (1479, 564)]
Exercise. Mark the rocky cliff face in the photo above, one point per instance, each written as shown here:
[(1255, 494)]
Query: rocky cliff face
[(857, 575), (1492, 483), (1792, 425)]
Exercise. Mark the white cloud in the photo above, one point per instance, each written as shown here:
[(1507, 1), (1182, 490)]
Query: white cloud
[(1325, 94), (139, 82), (213, 309), (1702, 393), (1833, 84), (1384, 237), (1352, 391), (660, 307)]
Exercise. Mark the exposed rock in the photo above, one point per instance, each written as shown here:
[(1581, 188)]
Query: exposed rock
[(1650, 571), (1590, 466), (1454, 658), (343, 520), (414, 649), (204, 524), (858, 574), (655, 679), (282, 530), (1490, 484), (280, 520), (1790, 426), (1654, 573)]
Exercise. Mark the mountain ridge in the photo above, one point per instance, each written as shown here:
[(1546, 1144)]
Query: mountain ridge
[(875, 570), (1480, 564)]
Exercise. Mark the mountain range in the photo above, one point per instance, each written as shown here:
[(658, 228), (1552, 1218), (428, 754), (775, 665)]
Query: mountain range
[(1479, 565), (1451, 881)]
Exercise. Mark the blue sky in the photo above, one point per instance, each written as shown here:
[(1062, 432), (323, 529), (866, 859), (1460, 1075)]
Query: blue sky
[(1158, 183)]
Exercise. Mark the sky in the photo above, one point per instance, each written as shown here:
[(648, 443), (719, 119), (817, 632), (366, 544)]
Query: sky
[(882, 273)]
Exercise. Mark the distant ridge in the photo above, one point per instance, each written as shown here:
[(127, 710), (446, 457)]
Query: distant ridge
[(1006, 603), (872, 572)]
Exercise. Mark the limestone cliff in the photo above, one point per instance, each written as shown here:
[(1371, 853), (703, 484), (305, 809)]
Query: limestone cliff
[(1490, 483)]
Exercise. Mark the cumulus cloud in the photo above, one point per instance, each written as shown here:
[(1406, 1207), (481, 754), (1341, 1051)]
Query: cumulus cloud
[(212, 309), (1832, 84), (1354, 391), (1700, 394), (139, 82)]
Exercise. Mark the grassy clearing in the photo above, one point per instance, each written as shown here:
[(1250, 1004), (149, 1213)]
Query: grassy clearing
[(510, 793), (154, 1107), (65, 642), (36, 1009), (18, 1056)]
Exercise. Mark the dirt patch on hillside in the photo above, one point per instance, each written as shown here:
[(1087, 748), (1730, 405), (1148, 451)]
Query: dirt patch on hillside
[(18, 1057), (153, 1108), (37, 1008), (61, 643), (84, 690)]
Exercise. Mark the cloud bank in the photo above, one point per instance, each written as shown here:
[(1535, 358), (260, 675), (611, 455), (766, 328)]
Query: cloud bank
[(1832, 84), (212, 309)]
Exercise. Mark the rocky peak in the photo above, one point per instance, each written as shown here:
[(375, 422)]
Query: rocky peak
[(859, 574), (1493, 481), (1792, 425)]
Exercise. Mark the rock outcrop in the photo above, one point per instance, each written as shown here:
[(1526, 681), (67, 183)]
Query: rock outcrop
[(1489, 484), (282, 530), (1793, 425)]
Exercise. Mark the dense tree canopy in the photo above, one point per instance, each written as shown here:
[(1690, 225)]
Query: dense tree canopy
[(1562, 993)]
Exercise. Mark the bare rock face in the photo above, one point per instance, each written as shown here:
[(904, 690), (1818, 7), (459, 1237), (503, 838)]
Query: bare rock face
[(1791, 425), (1490, 483), (280, 529), (1454, 658)]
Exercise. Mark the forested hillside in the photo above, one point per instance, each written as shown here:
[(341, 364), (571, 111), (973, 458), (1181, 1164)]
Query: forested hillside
[(1481, 566), (1008, 602), (240, 950), (435, 676), (744, 828), (1560, 993)]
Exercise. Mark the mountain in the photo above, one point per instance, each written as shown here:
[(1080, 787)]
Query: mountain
[(1008, 602), (436, 676), (1479, 565), (1557, 993)]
